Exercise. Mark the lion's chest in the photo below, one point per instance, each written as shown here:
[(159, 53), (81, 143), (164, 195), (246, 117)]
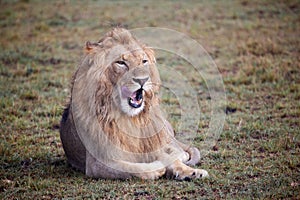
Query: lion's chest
[(140, 136)]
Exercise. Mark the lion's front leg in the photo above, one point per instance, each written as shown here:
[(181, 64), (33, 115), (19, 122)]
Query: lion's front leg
[(153, 170), (118, 169), (183, 172)]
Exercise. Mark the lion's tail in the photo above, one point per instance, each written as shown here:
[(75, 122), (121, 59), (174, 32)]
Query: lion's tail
[(193, 152)]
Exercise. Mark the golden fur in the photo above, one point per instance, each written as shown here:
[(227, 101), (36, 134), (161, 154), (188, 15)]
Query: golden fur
[(113, 126)]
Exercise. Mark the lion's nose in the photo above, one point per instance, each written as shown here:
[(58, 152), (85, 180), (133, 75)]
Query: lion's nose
[(141, 81)]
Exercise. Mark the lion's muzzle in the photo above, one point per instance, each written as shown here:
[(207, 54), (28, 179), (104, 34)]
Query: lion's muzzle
[(135, 99)]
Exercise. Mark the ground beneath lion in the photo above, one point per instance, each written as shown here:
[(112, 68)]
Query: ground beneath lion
[(255, 45)]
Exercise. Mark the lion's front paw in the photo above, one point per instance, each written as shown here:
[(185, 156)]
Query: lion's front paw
[(200, 173), (190, 174)]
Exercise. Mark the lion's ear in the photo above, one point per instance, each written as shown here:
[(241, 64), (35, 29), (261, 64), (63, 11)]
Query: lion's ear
[(89, 46), (150, 53)]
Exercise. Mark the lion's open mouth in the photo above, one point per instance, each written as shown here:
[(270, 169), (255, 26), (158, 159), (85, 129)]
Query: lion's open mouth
[(135, 100)]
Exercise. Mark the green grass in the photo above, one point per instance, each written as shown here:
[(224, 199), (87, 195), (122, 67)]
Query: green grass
[(256, 46)]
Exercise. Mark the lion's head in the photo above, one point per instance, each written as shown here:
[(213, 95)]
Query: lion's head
[(126, 73)]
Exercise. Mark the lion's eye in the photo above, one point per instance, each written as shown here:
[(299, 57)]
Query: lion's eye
[(121, 63), (145, 62)]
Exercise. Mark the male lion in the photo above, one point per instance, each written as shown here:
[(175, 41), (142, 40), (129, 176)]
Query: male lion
[(113, 126)]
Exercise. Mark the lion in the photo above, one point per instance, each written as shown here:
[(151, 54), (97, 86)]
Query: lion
[(113, 127)]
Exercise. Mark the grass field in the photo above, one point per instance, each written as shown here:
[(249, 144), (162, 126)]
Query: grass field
[(255, 44)]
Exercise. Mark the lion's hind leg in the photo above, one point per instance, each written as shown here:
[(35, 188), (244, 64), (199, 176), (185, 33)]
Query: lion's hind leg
[(180, 171), (193, 152)]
